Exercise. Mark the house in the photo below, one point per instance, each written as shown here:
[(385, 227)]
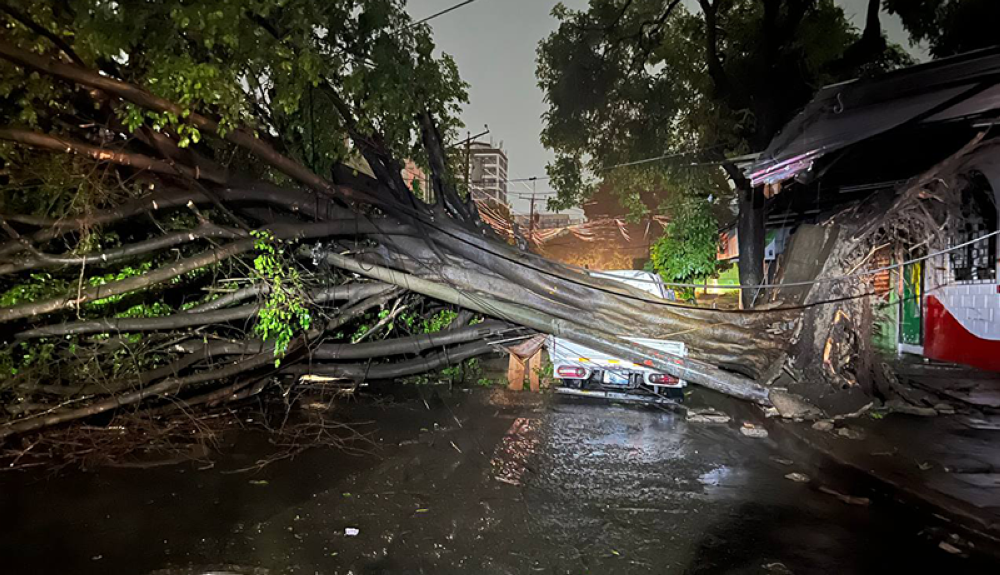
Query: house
[(871, 136)]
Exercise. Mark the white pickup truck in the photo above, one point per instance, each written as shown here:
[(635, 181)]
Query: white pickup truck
[(584, 371)]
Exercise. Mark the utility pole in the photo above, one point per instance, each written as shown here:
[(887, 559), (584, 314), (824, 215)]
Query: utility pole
[(468, 161), (531, 216)]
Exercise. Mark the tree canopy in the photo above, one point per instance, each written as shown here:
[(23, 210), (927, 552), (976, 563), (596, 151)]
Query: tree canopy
[(271, 66), (635, 79), (949, 27)]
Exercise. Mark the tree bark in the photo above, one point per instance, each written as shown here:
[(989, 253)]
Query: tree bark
[(751, 235)]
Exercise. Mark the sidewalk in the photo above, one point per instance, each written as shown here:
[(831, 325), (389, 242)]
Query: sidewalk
[(948, 465)]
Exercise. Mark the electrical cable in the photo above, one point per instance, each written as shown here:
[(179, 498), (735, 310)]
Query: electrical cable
[(441, 13)]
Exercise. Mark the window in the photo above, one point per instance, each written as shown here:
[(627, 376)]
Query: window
[(976, 261)]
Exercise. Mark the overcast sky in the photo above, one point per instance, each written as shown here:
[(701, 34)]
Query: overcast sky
[(494, 43)]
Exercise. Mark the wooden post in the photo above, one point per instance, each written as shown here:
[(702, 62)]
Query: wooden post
[(534, 367), (515, 373)]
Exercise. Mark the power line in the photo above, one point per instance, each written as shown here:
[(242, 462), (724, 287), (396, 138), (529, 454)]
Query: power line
[(441, 13)]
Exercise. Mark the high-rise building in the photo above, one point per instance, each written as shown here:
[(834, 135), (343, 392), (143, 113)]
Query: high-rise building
[(488, 172)]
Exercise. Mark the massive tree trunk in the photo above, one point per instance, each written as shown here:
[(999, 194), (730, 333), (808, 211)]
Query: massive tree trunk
[(750, 237), (367, 242)]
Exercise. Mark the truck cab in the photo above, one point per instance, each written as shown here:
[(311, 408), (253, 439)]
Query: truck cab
[(585, 371)]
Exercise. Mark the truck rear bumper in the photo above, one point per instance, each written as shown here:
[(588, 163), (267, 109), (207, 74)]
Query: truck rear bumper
[(617, 396)]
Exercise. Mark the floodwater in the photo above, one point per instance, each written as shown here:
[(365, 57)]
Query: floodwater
[(484, 481)]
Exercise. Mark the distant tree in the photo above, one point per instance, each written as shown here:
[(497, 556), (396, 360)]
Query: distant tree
[(626, 80), (949, 26)]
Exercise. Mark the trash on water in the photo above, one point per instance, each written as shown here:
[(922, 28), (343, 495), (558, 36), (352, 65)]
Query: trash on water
[(850, 433), (945, 546), (707, 416), (848, 499), (751, 430), (823, 425)]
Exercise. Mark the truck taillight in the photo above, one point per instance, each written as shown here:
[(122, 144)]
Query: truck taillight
[(570, 371), (662, 378)]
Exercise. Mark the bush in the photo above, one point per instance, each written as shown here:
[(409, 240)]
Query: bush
[(688, 251)]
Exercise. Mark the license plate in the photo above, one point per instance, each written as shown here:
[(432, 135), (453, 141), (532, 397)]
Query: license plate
[(612, 378)]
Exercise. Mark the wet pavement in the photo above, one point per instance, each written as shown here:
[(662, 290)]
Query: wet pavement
[(483, 481)]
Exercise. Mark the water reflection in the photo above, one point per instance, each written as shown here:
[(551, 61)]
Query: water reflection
[(519, 444)]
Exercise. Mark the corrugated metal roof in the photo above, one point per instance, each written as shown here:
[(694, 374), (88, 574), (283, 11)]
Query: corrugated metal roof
[(967, 85)]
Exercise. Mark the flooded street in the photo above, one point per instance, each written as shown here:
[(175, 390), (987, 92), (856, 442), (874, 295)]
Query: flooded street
[(483, 481)]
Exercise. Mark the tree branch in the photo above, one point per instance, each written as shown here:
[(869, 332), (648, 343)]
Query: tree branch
[(30, 24), (296, 201), (168, 272), (166, 387), (720, 80), (866, 49), (45, 261), (144, 99), (367, 371), (129, 159)]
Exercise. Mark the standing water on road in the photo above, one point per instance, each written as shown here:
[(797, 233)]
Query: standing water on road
[(484, 481)]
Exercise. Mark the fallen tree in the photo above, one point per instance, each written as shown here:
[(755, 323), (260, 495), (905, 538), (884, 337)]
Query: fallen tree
[(208, 254)]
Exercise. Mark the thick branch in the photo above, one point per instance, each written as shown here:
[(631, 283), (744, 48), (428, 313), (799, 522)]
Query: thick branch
[(144, 99), (334, 293), (866, 49), (46, 261), (186, 320), (720, 80), (115, 325), (35, 27), (166, 387), (130, 159), (438, 164), (366, 371), (165, 273), (413, 344)]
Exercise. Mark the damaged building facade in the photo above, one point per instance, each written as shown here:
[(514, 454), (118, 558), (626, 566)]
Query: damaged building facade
[(891, 186)]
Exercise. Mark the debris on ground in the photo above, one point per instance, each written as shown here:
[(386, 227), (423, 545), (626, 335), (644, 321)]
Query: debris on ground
[(848, 499), (848, 433), (823, 425), (351, 531), (781, 461), (777, 569), (948, 547), (798, 477), (944, 409), (707, 416), (853, 415), (791, 406), (751, 430), (899, 406)]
